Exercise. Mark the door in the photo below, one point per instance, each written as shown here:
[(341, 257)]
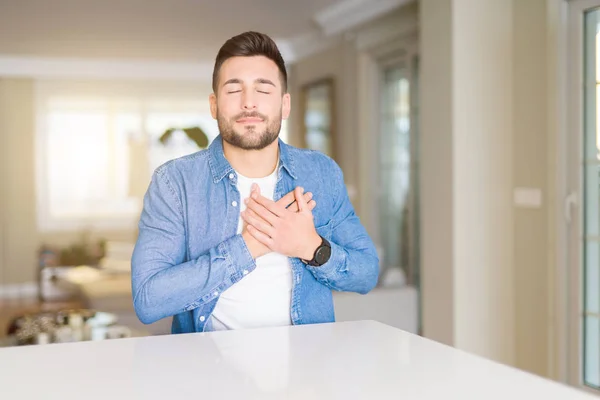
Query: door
[(583, 199)]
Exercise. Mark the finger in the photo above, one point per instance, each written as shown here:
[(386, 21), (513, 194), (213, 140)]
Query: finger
[(311, 205), (270, 205), (261, 237), (253, 219), (255, 189), (293, 207), (287, 200), (302, 206), (261, 211)]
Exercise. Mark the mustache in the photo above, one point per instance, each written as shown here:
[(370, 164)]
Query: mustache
[(253, 114)]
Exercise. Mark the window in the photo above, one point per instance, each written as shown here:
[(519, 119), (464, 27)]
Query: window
[(96, 154), (394, 153), (591, 221), (317, 110), (84, 149), (398, 201)]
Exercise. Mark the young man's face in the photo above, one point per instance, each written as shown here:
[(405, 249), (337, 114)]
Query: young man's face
[(249, 103)]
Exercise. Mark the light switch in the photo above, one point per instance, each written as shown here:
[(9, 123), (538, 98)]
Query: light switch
[(528, 197)]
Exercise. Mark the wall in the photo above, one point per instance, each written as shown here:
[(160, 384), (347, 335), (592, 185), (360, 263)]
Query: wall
[(437, 171), (3, 188), (557, 100), (486, 262), (482, 102), (470, 264), (19, 237), (531, 225)]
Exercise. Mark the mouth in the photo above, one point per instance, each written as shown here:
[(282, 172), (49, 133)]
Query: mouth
[(249, 120)]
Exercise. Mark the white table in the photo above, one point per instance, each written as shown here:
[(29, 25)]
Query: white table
[(348, 360)]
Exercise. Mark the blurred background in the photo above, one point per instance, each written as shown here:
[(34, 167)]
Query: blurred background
[(467, 131)]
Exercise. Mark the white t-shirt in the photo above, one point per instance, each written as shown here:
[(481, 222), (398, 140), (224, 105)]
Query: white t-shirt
[(263, 297)]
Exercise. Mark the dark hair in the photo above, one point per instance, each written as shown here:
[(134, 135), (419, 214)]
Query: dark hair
[(250, 44)]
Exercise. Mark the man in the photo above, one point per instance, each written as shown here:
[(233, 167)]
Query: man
[(221, 245)]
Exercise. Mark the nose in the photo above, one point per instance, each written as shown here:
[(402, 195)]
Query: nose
[(248, 101)]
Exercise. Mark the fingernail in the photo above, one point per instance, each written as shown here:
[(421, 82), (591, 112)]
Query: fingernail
[(309, 195), (246, 200), (254, 196)]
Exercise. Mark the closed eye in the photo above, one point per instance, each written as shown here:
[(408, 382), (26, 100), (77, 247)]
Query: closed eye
[(234, 91), (261, 91)]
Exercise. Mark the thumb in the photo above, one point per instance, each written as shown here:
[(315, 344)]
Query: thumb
[(299, 194)]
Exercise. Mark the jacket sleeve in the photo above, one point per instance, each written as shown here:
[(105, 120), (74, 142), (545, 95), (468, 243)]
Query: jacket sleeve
[(163, 282), (354, 264)]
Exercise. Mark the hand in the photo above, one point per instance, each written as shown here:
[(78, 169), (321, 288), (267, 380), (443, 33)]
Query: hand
[(288, 201), (290, 233)]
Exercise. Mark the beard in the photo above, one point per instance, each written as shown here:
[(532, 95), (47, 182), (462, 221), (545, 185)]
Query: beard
[(250, 139)]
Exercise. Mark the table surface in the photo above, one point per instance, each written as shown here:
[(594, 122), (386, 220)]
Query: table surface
[(344, 360)]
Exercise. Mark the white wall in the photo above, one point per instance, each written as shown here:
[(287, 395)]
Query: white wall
[(437, 171), (466, 127), (532, 242), (484, 117), (482, 125), (17, 209)]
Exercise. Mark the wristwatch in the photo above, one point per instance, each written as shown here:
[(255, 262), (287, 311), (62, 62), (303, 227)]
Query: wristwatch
[(322, 254)]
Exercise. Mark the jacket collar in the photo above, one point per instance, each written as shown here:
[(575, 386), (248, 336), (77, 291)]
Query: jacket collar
[(220, 167)]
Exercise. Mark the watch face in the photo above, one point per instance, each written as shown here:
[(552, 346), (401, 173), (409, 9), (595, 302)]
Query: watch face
[(323, 254)]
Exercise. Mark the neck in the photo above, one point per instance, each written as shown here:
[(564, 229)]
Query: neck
[(252, 163)]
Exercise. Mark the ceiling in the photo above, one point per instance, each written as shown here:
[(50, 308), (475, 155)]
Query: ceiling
[(173, 30)]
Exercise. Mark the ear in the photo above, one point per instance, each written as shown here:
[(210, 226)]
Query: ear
[(212, 99), (286, 106)]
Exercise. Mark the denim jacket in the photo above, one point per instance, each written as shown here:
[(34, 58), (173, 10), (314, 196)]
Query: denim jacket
[(188, 250)]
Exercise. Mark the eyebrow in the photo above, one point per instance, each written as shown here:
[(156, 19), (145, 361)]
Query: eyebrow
[(259, 80), (265, 81)]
